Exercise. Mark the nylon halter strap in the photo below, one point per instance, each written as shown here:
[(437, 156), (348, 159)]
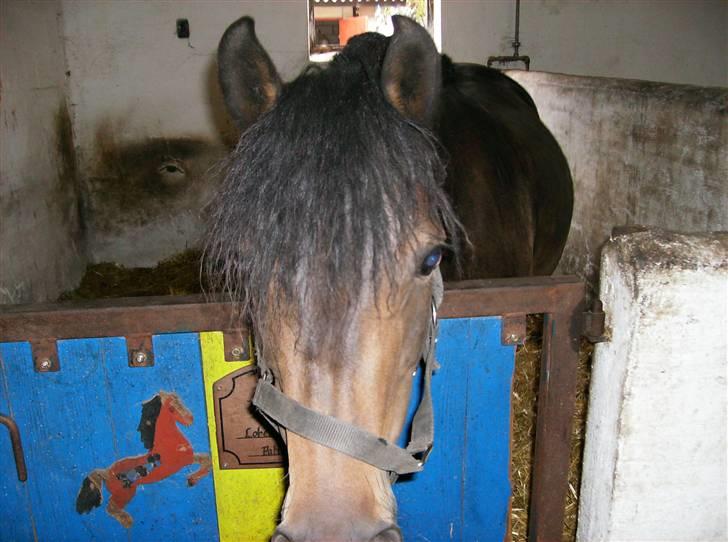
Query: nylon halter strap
[(285, 413)]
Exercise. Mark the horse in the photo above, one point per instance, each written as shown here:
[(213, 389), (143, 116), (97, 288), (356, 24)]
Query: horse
[(168, 450), (345, 190)]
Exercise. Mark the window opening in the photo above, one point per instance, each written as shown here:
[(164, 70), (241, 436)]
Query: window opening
[(332, 23)]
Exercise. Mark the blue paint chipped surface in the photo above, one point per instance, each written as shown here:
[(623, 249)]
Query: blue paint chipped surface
[(464, 492), (85, 417)]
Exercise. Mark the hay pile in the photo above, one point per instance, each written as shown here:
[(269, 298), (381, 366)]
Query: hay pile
[(180, 275)]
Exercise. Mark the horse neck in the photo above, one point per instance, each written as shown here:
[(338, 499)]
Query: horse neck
[(166, 432)]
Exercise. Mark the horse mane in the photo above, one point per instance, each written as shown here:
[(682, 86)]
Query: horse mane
[(148, 422), (319, 196)]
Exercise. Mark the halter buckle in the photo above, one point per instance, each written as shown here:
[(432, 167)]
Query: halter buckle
[(422, 456)]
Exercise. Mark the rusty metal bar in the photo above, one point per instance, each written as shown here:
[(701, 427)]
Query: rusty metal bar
[(17, 446), (113, 318), (530, 295), (154, 315), (554, 420)]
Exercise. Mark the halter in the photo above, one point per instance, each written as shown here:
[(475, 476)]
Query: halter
[(285, 413)]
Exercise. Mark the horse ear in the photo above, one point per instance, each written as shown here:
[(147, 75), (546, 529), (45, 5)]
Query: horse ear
[(249, 81), (411, 73)]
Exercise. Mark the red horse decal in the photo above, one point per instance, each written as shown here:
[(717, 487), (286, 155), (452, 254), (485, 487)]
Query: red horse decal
[(168, 452)]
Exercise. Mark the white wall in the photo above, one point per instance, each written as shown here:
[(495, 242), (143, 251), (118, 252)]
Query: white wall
[(677, 41), (129, 69), (655, 450), (141, 95), (131, 72), (41, 252)]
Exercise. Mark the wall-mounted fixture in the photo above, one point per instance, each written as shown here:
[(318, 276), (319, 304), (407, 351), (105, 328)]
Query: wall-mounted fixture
[(515, 57)]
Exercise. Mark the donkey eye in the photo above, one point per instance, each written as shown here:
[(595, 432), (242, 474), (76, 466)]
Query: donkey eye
[(171, 166), (431, 261)]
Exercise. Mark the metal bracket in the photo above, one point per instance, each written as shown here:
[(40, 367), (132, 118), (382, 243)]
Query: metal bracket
[(516, 44), (237, 345), (140, 350), (513, 329), (45, 356), (594, 323)]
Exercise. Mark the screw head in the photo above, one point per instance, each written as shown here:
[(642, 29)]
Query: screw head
[(140, 357), (45, 364)]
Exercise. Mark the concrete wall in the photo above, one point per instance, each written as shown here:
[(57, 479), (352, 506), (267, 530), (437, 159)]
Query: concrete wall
[(148, 116), (655, 450), (138, 89), (640, 153), (41, 251), (676, 41)]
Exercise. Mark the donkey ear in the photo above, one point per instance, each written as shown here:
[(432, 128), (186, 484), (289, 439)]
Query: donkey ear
[(411, 76), (248, 78)]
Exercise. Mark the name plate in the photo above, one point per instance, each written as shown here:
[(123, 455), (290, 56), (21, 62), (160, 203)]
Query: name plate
[(244, 439)]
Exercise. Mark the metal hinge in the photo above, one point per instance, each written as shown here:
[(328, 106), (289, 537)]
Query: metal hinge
[(513, 329), (593, 329)]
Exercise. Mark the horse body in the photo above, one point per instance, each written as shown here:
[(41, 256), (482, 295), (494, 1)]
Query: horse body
[(508, 179), (331, 222)]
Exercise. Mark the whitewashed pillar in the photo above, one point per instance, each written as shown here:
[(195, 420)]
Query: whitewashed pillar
[(655, 452)]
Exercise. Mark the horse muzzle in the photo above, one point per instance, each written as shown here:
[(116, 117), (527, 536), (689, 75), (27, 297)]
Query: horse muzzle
[(362, 534)]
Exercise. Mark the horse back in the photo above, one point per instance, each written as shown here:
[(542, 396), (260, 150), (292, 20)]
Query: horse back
[(507, 176)]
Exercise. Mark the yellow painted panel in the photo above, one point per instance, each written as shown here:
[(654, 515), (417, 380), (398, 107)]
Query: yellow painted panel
[(248, 500)]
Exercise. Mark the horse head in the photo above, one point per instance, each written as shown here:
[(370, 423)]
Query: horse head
[(328, 230), (176, 408)]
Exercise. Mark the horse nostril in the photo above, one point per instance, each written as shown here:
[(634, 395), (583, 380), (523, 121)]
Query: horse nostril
[(280, 537), (390, 534)]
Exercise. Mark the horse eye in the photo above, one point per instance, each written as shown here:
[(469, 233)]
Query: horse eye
[(431, 261)]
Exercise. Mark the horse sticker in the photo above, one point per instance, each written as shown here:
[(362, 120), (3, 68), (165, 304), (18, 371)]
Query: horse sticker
[(168, 451)]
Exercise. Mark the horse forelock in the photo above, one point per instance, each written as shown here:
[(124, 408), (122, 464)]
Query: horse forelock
[(320, 195)]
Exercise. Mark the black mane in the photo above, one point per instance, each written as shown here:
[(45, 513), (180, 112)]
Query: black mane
[(148, 422), (321, 193)]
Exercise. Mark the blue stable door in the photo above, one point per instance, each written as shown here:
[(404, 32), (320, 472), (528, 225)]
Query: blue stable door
[(98, 415), (465, 490)]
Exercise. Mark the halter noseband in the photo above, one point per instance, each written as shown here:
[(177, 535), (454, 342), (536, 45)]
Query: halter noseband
[(285, 413)]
